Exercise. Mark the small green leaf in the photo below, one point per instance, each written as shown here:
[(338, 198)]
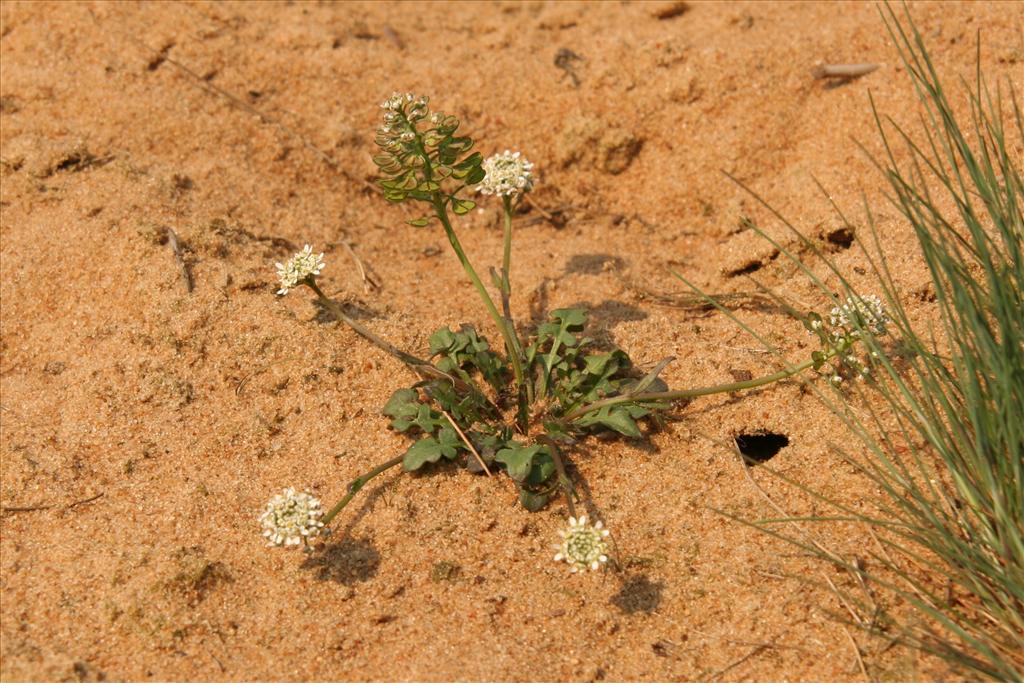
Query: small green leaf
[(459, 145), (396, 196), (533, 502), (420, 222), (517, 459), (470, 162), (557, 431), (613, 417), (564, 321), (403, 403), (402, 406), (448, 365), (543, 468), (630, 386), (570, 317), (443, 339), (465, 407), (475, 176), (621, 421), (649, 380), (423, 451), (448, 442), (462, 206), (428, 186), (427, 419), (597, 364)]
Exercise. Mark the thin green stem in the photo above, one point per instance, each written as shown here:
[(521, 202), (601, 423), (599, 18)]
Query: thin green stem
[(506, 285), (358, 483), (419, 365), (504, 326), (506, 261), (563, 477), (549, 361), (687, 393)]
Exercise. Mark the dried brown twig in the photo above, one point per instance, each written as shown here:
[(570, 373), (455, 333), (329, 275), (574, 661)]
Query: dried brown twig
[(179, 256), (847, 71), (369, 283), (469, 444), (691, 301), (25, 508), (36, 508), (84, 501)]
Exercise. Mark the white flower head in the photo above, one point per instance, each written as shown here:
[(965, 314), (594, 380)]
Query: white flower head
[(402, 111), (508, 174), (397, 101), (868, 312), (299, 267), (292, 518), (583, 546)]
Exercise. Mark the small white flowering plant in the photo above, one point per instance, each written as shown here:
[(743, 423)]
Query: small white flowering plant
[(300, 268), (522, 407), (292, 518), (848, 324), (583, 546)]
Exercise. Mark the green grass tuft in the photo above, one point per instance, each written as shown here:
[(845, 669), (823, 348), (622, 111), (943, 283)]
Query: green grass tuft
[(943, 439)]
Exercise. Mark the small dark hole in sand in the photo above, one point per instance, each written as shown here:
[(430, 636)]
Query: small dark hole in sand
[(746, 269), (840, 238), (759, 447)]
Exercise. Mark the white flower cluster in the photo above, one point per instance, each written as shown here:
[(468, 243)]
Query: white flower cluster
[(843, 332), (398, 100), (299, 267), (867, 312), (583, 546), (508, 174), (401, 112), (292, 518)]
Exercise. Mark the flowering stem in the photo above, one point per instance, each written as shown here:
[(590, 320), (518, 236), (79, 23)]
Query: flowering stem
[(563, 478), (506, 261), (419, 365), (687, 393), (358, 483), (506, 286), (504, 325)]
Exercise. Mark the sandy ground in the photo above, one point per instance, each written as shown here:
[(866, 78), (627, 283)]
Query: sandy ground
[(144, 425)]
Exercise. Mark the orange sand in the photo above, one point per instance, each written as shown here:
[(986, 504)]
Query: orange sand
[(184, 412)]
